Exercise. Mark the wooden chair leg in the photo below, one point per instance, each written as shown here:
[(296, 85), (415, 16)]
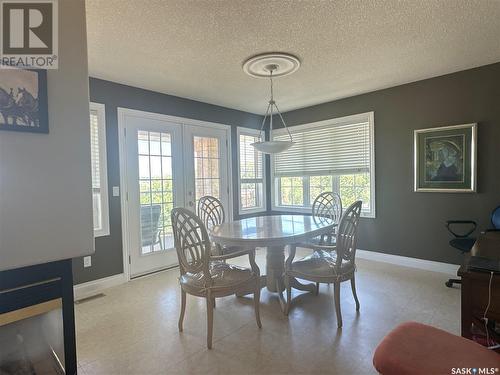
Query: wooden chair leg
[(210, 321), (256, 302), (353, 287), (336, 286), (288, 294), (183, 309)]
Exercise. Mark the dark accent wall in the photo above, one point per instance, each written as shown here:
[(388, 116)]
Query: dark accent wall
[(107, 260), (408, 223)]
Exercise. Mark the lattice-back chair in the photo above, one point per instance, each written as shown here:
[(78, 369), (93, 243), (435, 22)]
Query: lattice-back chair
[(206, 275), (326, 205), (211, 212), (329, 263), (347, 235)]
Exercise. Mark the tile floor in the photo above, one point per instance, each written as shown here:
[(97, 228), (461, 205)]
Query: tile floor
[(133, 329)]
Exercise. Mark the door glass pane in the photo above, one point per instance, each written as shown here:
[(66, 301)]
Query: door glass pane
[(156, 190), (206, 167)]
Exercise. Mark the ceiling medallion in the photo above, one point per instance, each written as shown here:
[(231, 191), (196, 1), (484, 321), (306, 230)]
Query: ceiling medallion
[(257, 66), (270, 65)]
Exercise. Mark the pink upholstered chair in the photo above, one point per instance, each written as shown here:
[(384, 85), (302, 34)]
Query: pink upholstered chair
[(414, 349)]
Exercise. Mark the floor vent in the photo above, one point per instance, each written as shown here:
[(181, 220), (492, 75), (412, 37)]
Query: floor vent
[(90, 298)]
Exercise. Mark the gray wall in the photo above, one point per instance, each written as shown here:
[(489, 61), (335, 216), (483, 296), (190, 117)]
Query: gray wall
[(408, 223), (45, 195), (107, 260)]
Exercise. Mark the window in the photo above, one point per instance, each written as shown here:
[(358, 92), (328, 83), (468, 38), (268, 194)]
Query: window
[(251, 172), (334, 155), (291, 191), (99, 170)]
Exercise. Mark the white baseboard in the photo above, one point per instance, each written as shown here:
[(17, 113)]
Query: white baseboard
[(427, 265), (93, 287)]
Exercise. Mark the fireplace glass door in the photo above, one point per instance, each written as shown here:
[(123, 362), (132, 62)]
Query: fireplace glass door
[(32, 340)]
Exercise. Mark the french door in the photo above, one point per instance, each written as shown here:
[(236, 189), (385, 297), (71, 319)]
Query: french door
[(206, 164), (167, 164)]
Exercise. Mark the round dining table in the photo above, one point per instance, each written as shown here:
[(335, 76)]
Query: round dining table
[(274, 233)]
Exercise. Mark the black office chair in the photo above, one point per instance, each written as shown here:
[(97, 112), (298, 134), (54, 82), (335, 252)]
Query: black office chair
[(462, 241)]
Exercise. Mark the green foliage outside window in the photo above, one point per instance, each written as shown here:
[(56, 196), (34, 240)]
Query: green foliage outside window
[(355, 187), (351, 188)]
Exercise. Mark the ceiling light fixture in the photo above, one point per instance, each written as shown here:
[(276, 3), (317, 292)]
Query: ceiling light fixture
[(271, 65)]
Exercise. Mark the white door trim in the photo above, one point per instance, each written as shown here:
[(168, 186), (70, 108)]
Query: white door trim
[(121, 114)]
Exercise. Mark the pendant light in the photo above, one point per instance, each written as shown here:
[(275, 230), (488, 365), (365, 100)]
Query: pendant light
[(272, 65)]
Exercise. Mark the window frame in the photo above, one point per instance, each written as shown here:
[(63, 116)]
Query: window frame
[(103, 170), (306, 208), (243, 211)]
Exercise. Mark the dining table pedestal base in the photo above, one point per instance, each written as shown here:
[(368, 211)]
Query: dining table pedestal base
[(275, 269), (274, 233), (274, 281)]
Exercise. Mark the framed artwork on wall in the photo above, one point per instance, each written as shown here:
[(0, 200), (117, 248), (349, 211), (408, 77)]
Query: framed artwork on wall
[(445, 159), (23, 100)]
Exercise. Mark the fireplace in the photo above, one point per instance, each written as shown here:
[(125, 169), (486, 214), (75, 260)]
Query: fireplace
[(37, 331)]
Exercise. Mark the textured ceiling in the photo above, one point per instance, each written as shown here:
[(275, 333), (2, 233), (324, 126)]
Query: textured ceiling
[(195, 49)]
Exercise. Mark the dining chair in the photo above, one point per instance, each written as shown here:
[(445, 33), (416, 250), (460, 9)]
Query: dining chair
[(330, 262), (206, 275), (211, 212), (325, 205)]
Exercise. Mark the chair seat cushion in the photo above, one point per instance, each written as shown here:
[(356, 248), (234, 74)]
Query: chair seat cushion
[(414, 349), (223, 275), (317, 242), (231, 249), (320, 264), (223, 250), (463, 244)]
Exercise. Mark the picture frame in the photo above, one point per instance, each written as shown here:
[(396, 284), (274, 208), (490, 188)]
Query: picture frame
[(23, 100), (445, 159)]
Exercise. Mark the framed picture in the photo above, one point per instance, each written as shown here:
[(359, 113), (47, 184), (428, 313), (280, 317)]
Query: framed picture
[(23, 100), (445, 159)]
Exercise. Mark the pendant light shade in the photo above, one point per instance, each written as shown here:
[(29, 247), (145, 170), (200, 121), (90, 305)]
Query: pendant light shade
[(272, 147), (269, 65)]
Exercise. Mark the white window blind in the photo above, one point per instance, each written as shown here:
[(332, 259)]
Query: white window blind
[(333, 155), (250, 158), (329, 149), (94, 147), (98, 170), (251, 172)]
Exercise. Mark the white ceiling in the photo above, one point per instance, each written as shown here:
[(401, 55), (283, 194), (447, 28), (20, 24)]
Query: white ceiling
[(195, 49)]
